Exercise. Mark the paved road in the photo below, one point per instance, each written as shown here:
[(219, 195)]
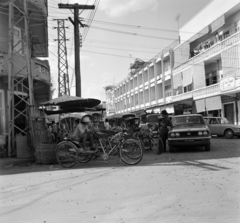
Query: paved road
[(188, 186)]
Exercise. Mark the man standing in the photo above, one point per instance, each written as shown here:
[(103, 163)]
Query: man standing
[(165, 126)]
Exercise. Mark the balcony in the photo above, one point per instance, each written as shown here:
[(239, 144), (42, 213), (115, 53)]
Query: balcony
[(183, 96), (199, 93), (215, 49), (207, 91), (40, 70)]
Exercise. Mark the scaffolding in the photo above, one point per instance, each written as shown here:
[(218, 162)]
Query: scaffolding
[(63, 77), (20, 89)]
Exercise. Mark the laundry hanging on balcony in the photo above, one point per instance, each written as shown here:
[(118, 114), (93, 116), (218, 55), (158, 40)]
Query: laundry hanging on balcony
[(187, 77)]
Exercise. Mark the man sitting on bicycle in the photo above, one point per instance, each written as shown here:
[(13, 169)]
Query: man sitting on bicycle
[(83, 133)]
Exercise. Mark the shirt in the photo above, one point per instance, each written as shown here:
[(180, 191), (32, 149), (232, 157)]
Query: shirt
[(107, 126), (80, 130), (166, 122)]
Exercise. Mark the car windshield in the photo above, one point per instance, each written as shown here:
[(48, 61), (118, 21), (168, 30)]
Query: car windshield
[(224, 121), (187, 120)]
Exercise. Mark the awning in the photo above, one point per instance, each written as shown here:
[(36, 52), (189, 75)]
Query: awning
[(216, 24), (187, 77), (199, 76), (177, 80), (200, 34), (200, 105), (213, 103)]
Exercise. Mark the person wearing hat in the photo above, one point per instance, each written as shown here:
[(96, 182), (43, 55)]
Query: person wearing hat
[(166, 125), (83, 133)]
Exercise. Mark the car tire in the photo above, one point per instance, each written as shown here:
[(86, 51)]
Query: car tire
[(208, 147), (228, 134), (171, 149)]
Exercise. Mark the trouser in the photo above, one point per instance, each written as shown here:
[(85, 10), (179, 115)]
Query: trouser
[(164, 136), (86, 137)]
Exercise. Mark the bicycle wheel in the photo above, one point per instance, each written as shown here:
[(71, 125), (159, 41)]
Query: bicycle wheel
[(131, 152), (84, 157), (66, 153), (156, 146)]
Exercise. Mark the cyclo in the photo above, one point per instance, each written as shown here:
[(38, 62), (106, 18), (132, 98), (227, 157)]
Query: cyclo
[(150, 133), (106, 143), (146, 134)]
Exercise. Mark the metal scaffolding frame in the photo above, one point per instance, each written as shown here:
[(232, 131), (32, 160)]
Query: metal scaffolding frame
[(63, 77), (19, 73)]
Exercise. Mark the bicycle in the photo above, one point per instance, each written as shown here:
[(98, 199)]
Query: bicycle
[(70, 152), (150, 141)]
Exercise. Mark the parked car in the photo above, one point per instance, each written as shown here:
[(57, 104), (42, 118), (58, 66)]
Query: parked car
[(222, 127), (189, 130)]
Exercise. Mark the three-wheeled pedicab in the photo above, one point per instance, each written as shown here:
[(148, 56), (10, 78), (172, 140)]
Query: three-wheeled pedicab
[(150, 134), (106, 143)]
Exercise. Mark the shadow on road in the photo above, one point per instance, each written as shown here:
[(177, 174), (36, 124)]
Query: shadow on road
[(221, 148)]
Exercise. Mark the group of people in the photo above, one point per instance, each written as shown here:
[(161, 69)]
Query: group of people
[(85, 128)]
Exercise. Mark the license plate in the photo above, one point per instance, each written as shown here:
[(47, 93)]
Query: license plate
[(189, 140)]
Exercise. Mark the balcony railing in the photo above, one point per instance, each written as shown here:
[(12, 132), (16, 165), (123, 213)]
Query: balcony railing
[(199, 93), (183, 96), (209, 90)]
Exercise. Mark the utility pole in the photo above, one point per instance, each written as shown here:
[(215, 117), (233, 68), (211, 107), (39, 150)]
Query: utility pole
[(76, 23), (63, 77)]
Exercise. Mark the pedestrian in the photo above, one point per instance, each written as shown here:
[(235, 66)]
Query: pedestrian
[(107, 125), (166, 125)]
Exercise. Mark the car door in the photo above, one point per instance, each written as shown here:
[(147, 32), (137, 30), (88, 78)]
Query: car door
[(214, 126)]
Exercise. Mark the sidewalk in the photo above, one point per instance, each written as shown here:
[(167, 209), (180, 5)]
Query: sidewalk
[(4, 162)]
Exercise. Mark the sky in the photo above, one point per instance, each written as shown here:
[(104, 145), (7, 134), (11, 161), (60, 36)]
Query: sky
[(119, 32)]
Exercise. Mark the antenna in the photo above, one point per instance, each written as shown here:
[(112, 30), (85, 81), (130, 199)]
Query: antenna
[(177, 18)]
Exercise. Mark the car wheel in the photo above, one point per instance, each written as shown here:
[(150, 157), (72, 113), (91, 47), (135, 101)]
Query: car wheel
[(229, 134), (207, 147), (238, 137), (171, 149)]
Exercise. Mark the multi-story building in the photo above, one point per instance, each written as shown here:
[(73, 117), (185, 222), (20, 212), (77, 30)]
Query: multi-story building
[(23, 40), (201, 73)]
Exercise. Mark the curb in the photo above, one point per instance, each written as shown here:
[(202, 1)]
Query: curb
[(8, 162)]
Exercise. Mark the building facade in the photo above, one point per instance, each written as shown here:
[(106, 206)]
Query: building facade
[(23, 41), (200, 74)]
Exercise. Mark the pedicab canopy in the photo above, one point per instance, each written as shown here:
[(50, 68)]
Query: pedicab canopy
[(67, 101)]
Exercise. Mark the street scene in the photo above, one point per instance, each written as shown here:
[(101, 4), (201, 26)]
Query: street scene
[(119, 111), (190, 185)]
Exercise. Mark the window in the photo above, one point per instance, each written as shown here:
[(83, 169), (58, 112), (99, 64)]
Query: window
[(213, 121), (211, 78), (187, 88)]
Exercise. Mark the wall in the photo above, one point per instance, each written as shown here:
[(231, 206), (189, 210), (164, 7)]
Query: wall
[(205, 17)]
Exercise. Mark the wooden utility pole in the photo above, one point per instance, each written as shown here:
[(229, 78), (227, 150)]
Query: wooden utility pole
[(76, 23)]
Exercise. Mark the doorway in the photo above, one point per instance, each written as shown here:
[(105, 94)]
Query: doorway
[(229, 112)]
